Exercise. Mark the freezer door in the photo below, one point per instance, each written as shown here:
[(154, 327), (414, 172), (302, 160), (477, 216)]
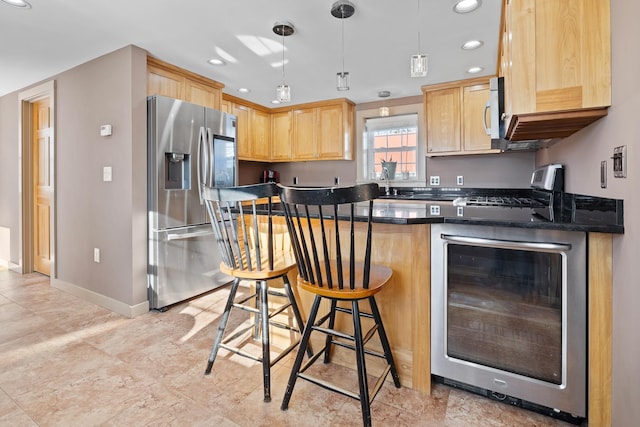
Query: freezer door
[(173, 131), (183, 263)]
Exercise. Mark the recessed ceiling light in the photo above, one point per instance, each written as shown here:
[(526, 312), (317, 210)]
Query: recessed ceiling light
[(474, 70), (466, 6), (244, 90), (216, 61), (472, 44), (17, 3), (275, 101)]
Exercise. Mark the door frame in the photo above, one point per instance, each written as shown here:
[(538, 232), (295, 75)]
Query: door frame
[(25, 175)]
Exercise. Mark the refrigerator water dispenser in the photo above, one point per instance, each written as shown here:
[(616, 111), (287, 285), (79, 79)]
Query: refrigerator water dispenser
[(178, 167)]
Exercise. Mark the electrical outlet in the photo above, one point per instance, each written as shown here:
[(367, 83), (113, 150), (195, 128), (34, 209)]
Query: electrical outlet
[(336, 180), (460, 211), (460, 180), (96, 254), (434, 180), (295, 180), (434, 210)]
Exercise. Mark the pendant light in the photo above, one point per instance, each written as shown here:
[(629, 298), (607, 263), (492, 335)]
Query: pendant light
[(419, 65), (283, 91), (342, 10)]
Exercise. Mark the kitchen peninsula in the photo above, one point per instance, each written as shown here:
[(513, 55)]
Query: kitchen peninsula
[(402, 240)]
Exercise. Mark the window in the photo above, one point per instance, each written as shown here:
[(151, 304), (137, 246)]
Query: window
[(392, 139)]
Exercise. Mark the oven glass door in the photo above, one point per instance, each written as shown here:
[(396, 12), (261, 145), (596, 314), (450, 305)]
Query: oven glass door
[(504, 308)]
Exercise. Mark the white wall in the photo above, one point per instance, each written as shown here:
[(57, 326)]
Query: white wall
[(582, 154)]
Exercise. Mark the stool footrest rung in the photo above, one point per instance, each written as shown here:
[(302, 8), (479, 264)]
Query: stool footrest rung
[(348, 311), (329, 386), (240, 352), (353, 347)]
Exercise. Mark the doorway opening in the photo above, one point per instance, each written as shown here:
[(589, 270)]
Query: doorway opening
[(36, 179)]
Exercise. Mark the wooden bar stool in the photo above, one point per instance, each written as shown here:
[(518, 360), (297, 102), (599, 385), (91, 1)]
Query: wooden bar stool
[(338, 268), (252, 250)]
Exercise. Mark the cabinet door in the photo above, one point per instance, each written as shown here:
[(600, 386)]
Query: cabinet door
[(443, 120), (474, 136), (304, 134), (198, 93), (330, 138), (242, 131), (281, 136), (260, 124), (164, 82), (225, 106)]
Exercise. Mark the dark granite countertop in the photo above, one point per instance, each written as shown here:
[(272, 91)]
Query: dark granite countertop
[(428, 206)]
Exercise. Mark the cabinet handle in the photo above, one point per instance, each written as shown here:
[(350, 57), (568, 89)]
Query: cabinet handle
[(484, 117)]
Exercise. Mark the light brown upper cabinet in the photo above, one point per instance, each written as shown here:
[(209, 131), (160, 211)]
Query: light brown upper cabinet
[(556, 61), (168, 80), (455, 117), (260, 122), (281, 136), (323, 131), (253, 128)]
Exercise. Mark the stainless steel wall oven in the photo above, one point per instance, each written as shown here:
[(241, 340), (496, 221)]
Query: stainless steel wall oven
[(509, 313)]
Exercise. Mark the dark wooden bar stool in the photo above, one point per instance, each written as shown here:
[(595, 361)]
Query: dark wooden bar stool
[(252, 250), (338, 268)]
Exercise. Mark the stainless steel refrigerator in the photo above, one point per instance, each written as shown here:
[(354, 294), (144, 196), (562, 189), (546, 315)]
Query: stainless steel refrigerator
[(187, 144)]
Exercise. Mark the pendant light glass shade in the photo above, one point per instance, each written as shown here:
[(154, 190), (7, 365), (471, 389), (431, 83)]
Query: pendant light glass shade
[(283, 93), (419, 65), (342, 80)]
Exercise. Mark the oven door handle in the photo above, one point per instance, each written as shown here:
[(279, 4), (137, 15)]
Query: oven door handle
[(508, 244)]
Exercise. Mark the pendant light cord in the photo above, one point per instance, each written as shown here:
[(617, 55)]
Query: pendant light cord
[(419, 51), (342, 12), (283, 54)]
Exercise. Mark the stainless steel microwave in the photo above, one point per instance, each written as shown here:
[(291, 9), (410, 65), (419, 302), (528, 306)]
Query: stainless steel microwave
[(499, 122)]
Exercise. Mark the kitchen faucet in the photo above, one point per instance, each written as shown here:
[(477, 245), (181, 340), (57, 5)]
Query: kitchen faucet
[(385, 177)]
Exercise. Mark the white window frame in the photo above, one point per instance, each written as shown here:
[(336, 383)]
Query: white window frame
[(363, 154)]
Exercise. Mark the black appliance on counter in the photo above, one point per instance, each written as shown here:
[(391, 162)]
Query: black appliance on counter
[(270, 175)]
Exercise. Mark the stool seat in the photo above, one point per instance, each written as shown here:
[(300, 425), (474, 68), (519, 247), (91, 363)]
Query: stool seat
[(378, 276)]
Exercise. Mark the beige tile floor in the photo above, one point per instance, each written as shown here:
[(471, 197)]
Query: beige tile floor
[(67, 362)]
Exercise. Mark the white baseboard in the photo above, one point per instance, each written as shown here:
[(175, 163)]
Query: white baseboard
[(102, 300)]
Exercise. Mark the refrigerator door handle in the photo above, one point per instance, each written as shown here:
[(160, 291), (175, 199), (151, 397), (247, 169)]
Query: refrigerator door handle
[(211, 158), (201, 138), (182, 236)]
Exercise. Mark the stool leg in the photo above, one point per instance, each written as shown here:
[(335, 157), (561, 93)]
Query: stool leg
[(362, 370), (384, 341), (296, 310), (329, 338), (304, 342), (266, 349), (222, 326)]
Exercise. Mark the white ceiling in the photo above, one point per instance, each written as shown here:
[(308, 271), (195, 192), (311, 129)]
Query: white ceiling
[(56, 35)]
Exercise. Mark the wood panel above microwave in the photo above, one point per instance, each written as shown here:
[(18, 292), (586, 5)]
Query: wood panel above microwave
[(555, 57)]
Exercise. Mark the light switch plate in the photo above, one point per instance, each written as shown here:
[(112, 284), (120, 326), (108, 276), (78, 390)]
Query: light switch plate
[(107, 174), (603, 174)]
